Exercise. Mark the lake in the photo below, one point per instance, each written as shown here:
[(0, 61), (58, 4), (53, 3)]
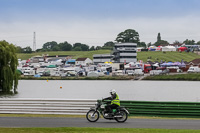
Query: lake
[(188, 91)]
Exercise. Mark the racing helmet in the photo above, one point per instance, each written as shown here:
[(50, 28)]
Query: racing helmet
[(113, 91)]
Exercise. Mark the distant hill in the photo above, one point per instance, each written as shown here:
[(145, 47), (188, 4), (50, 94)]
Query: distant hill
[(144, 56)]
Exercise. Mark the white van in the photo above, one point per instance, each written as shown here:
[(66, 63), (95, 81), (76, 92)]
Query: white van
[(193, 70), (155, 72), (138, 72), (29, 72)]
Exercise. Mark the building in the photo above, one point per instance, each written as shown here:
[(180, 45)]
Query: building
[(122, 53), (125, 52), (36, 59), (83, 61), (101, 58), (169, 48)]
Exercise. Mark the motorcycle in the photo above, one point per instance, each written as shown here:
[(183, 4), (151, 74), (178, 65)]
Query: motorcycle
[(120, 114)]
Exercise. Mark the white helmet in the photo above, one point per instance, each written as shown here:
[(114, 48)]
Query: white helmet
[(113, 91)]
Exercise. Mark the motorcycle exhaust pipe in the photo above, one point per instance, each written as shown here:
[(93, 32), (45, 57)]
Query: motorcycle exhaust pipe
[(118, 116)]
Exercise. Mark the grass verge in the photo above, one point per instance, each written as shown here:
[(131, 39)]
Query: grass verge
[(183, 77), (83, 116), (93, 130)]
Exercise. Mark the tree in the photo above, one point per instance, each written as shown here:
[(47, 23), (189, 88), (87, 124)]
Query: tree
[(141, 44), (92, 48), (128, 35), (39, 50), (158, 37), (49, 45), (19, 49), (176, 42), (149, 44), (161, 42), (27, 50), (198, 43), (98, 47), (83, 47), (189, 42), (65, 46), (76, 45), (8, 68), (77, 49), (56, 48), (108, 45)]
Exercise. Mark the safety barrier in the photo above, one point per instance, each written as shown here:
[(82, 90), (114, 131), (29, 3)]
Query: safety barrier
[(166, 109), (80, 107), (45, 106)]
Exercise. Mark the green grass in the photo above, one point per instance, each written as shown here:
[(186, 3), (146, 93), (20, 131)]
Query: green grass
[(167, 56), (92, 130), (188, 77), (74, 54), (154, 56)]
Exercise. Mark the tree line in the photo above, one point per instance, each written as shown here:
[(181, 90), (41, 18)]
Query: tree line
[(129, 35), (161, 42)]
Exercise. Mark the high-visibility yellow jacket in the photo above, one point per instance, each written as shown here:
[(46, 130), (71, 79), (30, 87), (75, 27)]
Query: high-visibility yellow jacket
[(116, 100)]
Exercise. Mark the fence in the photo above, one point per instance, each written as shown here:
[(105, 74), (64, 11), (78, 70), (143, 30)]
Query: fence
[(45, 106), (80, 107), (166, 109)]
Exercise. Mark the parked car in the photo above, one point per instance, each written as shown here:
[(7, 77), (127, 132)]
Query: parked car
[(117, 73), (155, 72), (130, 72), (138, 72), (193, 70), (164, 72), (179, 70)]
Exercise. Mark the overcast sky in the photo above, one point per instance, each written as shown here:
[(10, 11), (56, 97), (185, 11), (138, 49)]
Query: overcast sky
[(95, 22)]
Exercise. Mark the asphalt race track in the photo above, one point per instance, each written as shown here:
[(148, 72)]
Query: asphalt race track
[(82, 122)]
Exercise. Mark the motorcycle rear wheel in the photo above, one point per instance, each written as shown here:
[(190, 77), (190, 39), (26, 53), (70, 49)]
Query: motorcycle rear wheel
[(123, 118), (92, 116)]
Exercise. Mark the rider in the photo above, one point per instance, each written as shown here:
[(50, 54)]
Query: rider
[(114, 101)]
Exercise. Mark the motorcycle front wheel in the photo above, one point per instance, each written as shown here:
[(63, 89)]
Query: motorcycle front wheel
[(123, 117), (92, 116)]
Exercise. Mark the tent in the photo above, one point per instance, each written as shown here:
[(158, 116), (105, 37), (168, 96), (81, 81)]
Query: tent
[(152, 48), (166, 64), (182, 49), (168, 48), (179, 64), (158, 49)]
